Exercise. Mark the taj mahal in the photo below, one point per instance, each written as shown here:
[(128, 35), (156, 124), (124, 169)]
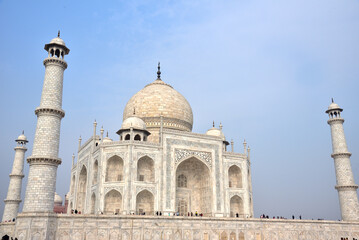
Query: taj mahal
[(157, 180)]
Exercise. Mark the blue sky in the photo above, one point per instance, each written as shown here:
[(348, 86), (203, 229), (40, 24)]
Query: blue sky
[(265, 69)]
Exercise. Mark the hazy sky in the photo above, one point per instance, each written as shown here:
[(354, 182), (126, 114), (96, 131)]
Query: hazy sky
[(265, 69)]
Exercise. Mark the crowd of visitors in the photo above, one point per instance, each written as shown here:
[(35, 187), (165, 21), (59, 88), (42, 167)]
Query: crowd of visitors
[(280, 217)]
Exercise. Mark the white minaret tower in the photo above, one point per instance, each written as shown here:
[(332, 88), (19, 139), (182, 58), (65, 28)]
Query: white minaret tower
[(346, 187), (13, 197), (40, 190)]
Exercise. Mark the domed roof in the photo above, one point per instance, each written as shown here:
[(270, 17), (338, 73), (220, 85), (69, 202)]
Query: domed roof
[(22, 137), (58, 40), (215, 132), (333, 106), (134, 122), (57, 199), (160, 99)]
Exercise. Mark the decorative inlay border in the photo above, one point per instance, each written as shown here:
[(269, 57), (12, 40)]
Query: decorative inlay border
[(168, 172), (118, 188), (181, 154), (142, 154), (120, 154), (150, 189)]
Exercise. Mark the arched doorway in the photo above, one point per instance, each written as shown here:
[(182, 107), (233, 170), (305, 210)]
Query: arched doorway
[(144, 203), (193, 187), (145, 170), (81, 194), (235, 177), (114, 169), (236, 206), (113, 202)]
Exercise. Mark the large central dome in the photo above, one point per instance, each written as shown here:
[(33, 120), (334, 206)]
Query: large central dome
[(160, 99)]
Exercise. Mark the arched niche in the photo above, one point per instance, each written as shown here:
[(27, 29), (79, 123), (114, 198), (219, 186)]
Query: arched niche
[(73, 185), (82, 186), (236, 206), (114, 169), (95, 173), (234, 177), (145, 169), (113, 202), (145, 203), (193, 187), (93, 203)]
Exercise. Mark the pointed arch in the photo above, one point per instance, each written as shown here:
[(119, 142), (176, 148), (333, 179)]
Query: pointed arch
[(236, 206), (197, 196), (224, 236), (82, 187), (113, 202), (114, 169), (145, 203), (235, 177), (241, 236), (146, 169), (232, 236), (95, 173)]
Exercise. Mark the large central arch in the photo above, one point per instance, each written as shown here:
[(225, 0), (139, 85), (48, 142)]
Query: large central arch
[(193, 187)]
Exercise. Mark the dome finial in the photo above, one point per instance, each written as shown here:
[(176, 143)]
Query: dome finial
[(159, 71), (220, 126), (58, 33), (107, 134), (332, 100), (213, 123), (22, 131)]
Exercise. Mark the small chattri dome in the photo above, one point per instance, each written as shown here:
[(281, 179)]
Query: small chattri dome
[(22, 137), (215, 132), (333, 106), (133, 122), (58, 40), (107, 139), (57, 199)]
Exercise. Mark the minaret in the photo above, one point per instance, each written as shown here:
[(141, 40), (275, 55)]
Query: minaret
[(346, 187), (13, 197), (40, 190)]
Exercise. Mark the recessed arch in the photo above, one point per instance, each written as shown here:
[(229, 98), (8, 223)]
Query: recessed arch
[(198, 193), (95, 173), (236, 206), (145, 169), (145, 202), (137, 137), (82, 186), (127, 137), (73, 184), (114, 169), (113, 202), (235, 177), (93, 203)]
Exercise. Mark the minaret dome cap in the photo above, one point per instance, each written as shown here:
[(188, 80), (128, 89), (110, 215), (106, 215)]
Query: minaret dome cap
[(57, 41), (333, 106), (21, 138)]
